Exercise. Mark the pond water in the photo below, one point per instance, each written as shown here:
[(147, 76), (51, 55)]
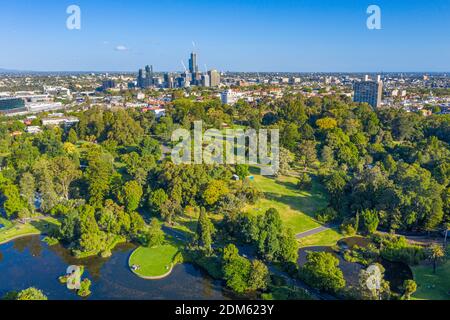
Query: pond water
[(30, 262), (354, 241), (396, 273)]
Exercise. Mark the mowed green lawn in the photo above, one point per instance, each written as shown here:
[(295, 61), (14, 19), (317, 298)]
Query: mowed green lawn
[(325, 238), (153, 262), (15, 230), (432, 286), (297, 208)]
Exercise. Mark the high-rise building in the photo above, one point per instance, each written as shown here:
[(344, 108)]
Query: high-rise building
[(214, 78), (149, 72), (169, 81), (369, 91), (140, 79), (145, 81), (206, 81), (108, 84), (193, 67)]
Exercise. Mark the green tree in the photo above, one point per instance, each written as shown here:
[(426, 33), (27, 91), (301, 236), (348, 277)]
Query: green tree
[(205, 231), (90, 236), (14, 203), (28, 189), (242, 171), (322, 271), (85, 288), (370, 220), (45, 183), (236, 269), (157, 199), (65, 171), (307, 153), (409, 288), (435, 254), (72, 136), (137, 224), (151, 147), (259, 276), (154, 235), (214, 191), (69, 230), (98, 175), (269, 240), (288, 246), (131, 195)]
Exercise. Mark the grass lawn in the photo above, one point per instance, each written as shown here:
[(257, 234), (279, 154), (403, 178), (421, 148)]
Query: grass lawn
[(432, 286), (153, 262), (187, 223), (16, 230), (325, 238), (296, 207)]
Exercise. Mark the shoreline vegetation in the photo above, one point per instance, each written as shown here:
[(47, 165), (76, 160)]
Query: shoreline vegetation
[(16, 230)]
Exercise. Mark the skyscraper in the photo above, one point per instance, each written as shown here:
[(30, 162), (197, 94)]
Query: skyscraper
[(169, 81), (108, 84), (148, 76), (149, 72), (193, 67), (140, 79), (369, 91)]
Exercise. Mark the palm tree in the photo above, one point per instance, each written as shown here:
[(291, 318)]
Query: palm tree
[(435, 253)]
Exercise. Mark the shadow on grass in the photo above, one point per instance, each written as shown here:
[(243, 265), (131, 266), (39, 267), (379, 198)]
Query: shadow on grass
[(288, 184), (297, 203), (46, 228)]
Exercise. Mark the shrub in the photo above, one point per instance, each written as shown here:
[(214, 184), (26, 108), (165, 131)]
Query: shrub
[(85, 287), (348, 229), (327, 215), (397, 249), (305, 182)]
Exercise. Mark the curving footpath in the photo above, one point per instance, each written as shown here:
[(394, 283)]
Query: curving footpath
[(20, 236)]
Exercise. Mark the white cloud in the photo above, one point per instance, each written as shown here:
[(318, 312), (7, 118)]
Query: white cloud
[(121, 48)]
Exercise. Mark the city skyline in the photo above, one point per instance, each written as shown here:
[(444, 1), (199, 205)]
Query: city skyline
[(244, 36)]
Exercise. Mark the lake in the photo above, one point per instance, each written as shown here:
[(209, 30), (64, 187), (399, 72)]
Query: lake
[(29, 262)]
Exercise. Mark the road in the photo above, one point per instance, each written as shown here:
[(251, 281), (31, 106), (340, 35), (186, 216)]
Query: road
[(312, 232)]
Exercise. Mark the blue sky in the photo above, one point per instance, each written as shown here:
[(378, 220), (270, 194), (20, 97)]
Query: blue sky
[(232, 35)]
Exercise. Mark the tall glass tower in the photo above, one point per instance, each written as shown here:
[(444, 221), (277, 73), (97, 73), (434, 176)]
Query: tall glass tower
[(193, 67)]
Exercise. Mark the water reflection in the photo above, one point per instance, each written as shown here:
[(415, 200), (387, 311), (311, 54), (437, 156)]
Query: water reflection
[(29, 262)]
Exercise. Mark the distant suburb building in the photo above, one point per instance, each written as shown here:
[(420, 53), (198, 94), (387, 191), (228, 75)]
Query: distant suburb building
[(214, 78), (230, 97), (369, 91), (12, 105), (57, 121)]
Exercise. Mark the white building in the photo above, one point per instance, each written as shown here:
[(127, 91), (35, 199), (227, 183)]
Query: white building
[(230, 97), (40, 107), (33, 129), (67, 121)]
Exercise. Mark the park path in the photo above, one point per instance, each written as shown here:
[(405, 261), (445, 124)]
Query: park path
[(312, 232)]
